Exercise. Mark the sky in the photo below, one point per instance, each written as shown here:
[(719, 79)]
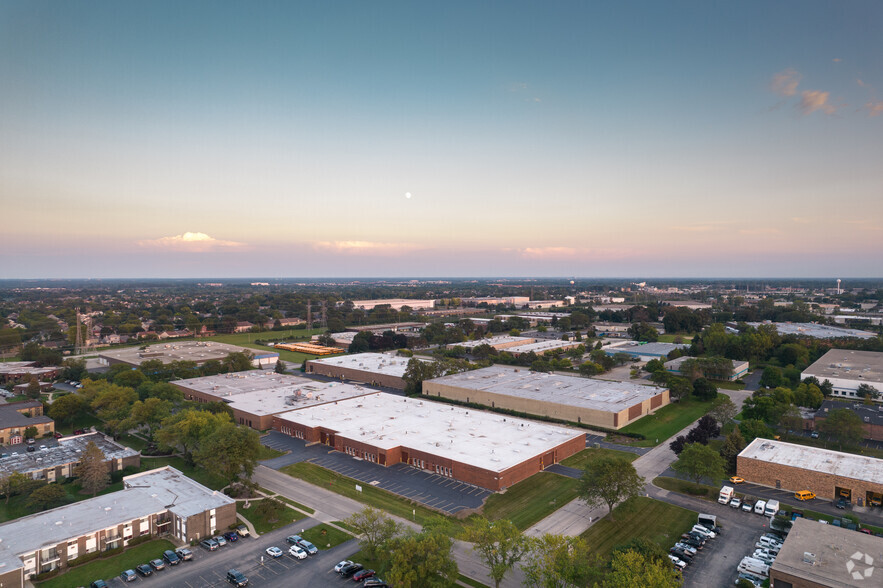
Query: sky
[(360, 139)]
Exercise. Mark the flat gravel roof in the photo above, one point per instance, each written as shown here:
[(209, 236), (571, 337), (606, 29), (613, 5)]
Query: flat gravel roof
[(863, 366), (490, 441), (603, 395), (198, 351), (847, 465), (817, 331)]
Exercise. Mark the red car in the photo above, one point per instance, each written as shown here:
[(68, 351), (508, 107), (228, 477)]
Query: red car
[(364, 574)]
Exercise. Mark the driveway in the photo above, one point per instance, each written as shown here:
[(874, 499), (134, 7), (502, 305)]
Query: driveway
[(438, 492)]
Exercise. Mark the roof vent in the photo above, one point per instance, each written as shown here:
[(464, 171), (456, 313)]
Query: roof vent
[(809, 558)]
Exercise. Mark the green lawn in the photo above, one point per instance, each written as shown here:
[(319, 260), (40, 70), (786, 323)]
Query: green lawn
[(531, 500), (133, 441), (108, 568), (261, 524), (247, 340), (345, 526), (667, 338), (370, 495), (83, 422), (325, 537), (686, 487), (297, 505), (729, 385), (657, 521), (587, 456), (666, 421)]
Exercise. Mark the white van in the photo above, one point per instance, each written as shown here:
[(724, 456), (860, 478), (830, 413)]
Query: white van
[(772, 508), (751, 565), (760, 507), (703, 531)]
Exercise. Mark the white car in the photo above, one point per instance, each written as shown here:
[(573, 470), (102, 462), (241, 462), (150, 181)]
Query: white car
[(772, 547), (736, 502), (747, 506), (296, 551), (689, 549), (703, 531), (274, 551), (341, 565), (677, 561)]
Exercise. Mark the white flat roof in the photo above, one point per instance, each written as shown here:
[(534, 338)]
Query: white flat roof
[(848, 465), (490, 441), (816, 330), (144, 494), (844, 364), (542, 346), (376, 363), (264, 393), (603, 395), (198, 351), (499, 340)]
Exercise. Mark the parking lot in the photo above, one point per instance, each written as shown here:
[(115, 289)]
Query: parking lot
[(439, 492), (248, 555)]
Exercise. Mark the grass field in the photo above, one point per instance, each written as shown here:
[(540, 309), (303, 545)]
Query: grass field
[(531, 500), (196, 473), (296, 505), (248, 340), (686, 487), (369, 495), (666, 421), (587, 456), (261, 524), (269, 453), (106, 569), (671, 338), (729, 385), (82, 422), (325, 537), (657, 521)]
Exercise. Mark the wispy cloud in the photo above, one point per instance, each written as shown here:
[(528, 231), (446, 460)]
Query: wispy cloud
[(860, 82), (193, 242), (785, 82), (517, 87), (836, 60), (570, 253), (365, 247), (694, 228), (760, 231), (874, 108), (813, 100), (802, 220)]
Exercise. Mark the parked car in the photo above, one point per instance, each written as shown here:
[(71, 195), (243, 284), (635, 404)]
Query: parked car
[(58, 435), (242, 530), (681, 554), (220, 541), (144, 569), (231, 536), (171, 557), (30, 441), (184, 554), (298, 552), (306, 545), (274, 551), (841, 503), (347, 571), (814, 435), (363, 575), (209, 544), (157, 565), (703, 531), (736, 503), (749, 578), (31, 448), (128, 576), (747, 506), (236, 578), (43, 448), (98, 584), (341, 565), (804, 495), (736, 480), (688, 548), (375, 582), (681, 564)]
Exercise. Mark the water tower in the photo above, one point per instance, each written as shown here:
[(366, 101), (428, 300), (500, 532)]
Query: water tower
[(839, 291)]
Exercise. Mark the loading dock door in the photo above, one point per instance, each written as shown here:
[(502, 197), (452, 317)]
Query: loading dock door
[(874, 499), (845, 493)]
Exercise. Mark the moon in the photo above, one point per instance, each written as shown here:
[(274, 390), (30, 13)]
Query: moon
[(407, 195)]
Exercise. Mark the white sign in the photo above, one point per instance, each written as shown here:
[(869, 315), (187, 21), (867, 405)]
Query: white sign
[(358, 488)]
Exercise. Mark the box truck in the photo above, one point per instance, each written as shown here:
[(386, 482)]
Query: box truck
[(752, 565), (772, 508), (725, 495)]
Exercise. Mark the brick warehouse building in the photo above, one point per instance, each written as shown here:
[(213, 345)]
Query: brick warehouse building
[(376, 369), (484, 449), (601, 403), (160, 502), (829, 474)]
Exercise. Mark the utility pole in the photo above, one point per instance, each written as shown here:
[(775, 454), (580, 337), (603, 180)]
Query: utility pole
[(79, 344), (309, 314)]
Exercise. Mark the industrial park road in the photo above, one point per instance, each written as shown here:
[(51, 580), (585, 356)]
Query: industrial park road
[(331, 507)]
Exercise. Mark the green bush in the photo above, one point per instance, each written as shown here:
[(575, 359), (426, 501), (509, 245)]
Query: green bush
[(139, 540), (83, 559)]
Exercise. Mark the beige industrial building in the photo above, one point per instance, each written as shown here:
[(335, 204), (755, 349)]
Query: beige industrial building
[(376, 369), (393, 303), (828, 474), (826, 556), (600, 403), (847, 370), (198, 352), (499, 342)]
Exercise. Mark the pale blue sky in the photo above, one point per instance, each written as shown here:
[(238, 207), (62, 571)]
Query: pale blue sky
[(536, 138)]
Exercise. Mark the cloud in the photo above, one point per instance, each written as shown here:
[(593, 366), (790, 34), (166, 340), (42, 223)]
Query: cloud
[(802, 220), (785, 83), (365, 247), (194, 242), (874, 108), (760, 231), (570, 253), (836, 60), (694, 228), (860, 82), (517, 86), (813, 100)]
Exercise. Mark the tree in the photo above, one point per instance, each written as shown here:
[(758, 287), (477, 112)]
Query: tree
[(867, 391), (733, 446), (66, 408), (723, 409), (280, 367), (375, 529), (705, 430), (418, 371), (46, 497), (772, 377), (130, 378), (113, 405), (74, 369), (590, 368), (92, 470), (654, 365), (791, 419), (11, 484), (419, 560), (678, 444), (699, 461), (33, 389), (150, 413), (186, 429), (643, 332), (238, 361), (679, 388), (844, 425), (704, 390), (558, 561), (31, 432), (228, 451), (361, 342), (751, 429), (630, 568), (645, 547), (609, 480), (270, 509), (500, 544)]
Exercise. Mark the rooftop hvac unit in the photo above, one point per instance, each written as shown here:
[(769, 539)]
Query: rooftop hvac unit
[(809, 558)]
